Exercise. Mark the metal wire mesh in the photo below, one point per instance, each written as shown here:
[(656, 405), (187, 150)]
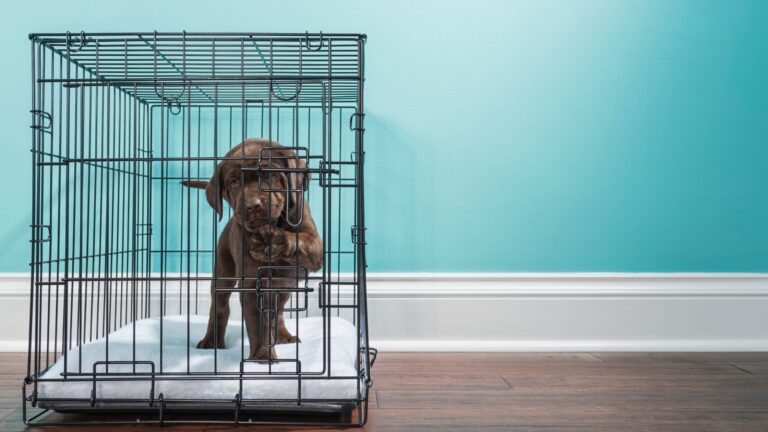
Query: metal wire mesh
[(118, 121)]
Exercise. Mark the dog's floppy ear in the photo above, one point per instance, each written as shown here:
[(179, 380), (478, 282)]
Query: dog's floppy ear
[(213, 191)]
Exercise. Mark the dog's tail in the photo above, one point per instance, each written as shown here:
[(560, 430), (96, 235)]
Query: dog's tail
[(197, 184)]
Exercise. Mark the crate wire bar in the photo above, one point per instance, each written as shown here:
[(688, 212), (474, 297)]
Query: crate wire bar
[(118, 120)]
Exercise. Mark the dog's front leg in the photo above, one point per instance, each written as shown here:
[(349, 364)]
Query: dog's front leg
[(256, 321), (283, 334), (303, 248), (218, 317), (219, 312)]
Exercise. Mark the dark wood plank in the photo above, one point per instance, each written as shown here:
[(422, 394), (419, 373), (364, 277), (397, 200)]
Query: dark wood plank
[(473, 362), (758, 368), (674, 392), (439, 381), (484, 357), (682, 356), (526, 363), (635, 381), (457, 419), (597, 402)]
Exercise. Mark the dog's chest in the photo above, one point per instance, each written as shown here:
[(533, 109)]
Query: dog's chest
[(257, 247)]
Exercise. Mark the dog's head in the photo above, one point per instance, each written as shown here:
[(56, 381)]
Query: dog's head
[(258, 197)]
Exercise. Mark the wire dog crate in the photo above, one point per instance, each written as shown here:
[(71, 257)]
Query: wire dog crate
[(125, 260)]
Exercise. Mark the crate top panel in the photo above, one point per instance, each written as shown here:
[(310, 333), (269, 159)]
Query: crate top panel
[(207, 68)]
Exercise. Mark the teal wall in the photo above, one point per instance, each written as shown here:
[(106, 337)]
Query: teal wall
[(503, 135)]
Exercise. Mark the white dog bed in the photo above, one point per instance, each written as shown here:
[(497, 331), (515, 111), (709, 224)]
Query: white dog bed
[(147, 333)]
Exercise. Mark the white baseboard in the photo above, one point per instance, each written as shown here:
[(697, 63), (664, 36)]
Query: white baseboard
[(532, 311), (741, 345)]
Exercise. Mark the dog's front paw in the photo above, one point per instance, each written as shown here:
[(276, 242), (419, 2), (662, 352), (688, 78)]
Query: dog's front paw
[(281, 244), (264, 353), (286, 337), (207, 343)]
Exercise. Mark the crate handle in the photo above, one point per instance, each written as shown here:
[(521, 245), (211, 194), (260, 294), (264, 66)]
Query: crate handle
[(308, 44)]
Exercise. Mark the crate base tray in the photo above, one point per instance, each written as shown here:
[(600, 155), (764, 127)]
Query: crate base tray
[(190, 373), (266, 408)]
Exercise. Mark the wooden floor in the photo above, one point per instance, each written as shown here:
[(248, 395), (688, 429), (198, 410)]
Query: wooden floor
[(533, 392)]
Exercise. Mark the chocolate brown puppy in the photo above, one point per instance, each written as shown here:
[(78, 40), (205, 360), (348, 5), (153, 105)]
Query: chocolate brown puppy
[(271, 225)]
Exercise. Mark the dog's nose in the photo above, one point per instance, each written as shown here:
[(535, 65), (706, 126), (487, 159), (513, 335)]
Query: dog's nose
[(253, 206)]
